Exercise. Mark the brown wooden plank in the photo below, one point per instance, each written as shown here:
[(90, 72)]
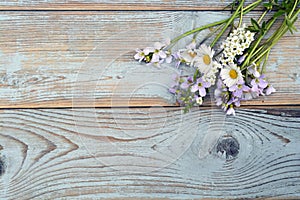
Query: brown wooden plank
[(84, 59), (113, 5), (149, 153)]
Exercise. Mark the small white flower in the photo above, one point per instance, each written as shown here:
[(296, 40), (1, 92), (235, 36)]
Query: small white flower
[(217, 65), (199, 100), (236, 43), (230, 111), (239, 51), (231, 74)]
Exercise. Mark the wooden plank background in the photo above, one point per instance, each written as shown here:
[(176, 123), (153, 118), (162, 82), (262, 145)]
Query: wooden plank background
[(113, 5), (64, 63), (80, 119)]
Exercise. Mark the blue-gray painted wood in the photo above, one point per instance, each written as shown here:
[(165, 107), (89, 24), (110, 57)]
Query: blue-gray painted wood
[(85, 59), (148, 152)]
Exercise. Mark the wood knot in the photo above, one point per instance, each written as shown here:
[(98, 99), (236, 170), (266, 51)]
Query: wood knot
[(228, 147), (2, 167)]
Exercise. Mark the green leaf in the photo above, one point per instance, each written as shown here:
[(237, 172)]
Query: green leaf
[(268, 6), (196, 75), (255, 24), (279, 13), (264, 24), (263, 28), (252, 29)]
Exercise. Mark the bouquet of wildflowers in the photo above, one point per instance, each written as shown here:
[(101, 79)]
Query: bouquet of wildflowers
[(235, 69)]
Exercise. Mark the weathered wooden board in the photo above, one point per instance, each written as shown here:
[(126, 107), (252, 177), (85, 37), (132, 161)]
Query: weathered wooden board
[(149, 153), (84, 59), (78, 53), (113, 5)]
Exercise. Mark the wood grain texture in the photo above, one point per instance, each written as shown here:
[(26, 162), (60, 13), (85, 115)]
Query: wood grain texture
[(148, 153), (84, 59), (113, 5)]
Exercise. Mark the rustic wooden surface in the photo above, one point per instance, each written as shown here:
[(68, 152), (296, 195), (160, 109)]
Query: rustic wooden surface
[(80, 119), (64, 63), (117, 153), (113, 5)]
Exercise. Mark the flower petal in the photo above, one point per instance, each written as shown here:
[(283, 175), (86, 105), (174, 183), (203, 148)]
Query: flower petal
[(155, 58), (230, 111), (169, 59), (162, 54), (202, 91), (184, 85), (138, 56), (270, 89), (262, 83), (195, 88), (158, 45), (148, 50)]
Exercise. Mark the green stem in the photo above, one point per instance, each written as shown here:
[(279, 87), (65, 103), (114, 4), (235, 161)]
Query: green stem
[(241, 14), (269, 25), (227, 24), (247, 9), (293, 9), (262, 16), (263, 68), (252, 6), (274, 38), (201, 28)]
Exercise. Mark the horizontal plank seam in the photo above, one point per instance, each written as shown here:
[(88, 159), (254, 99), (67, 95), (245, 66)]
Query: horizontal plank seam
[(296, 106), (115, 10)]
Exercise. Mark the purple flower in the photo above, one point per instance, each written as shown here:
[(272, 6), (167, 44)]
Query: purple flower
[(218, 96), (239, 88), (221, 93), (241, 59), (260, 81), (154, 55), (169, 58), (143, 54), (187, 83), (177, 57), (270, 89), (172, 90), (158, 53), (258, 86), (200, 86), (247, 95), (175, 85), (235, 101), (253, 70)]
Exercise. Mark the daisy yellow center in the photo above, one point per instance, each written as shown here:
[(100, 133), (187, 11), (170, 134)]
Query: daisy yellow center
[(233, 74), (206, 59)]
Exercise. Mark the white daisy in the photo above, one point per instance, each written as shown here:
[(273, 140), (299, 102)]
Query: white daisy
[(231, 74), (204, 59), (188, 54)]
